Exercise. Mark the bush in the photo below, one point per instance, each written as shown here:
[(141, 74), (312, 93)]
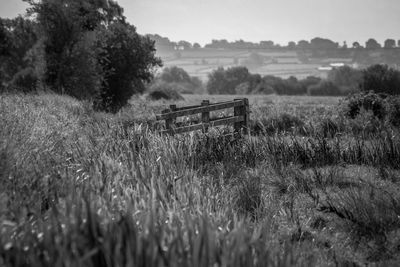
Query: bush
[(164, 91), (324, 88), (24, 81), (345, 77), (180, 80), (375, 103), (381, 79), (394, 111), (222, 81)]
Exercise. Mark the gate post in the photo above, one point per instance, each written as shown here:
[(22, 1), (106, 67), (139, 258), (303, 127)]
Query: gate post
[(205, 116)]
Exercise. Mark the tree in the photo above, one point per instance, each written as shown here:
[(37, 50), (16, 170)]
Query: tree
[(356, 45), (345, 77), (303, 44), (222, 81), (254, 60), (175, 74), (372, 44), (91, 52), (321, 43), (216, 81), (17, 38), (291, 45), (266, 44), (185, 45), (196, 46), (127, 60), (68, 31), (381, 79), (390, 43)]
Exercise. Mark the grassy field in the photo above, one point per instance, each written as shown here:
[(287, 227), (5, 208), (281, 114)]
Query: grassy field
[(310, 187), (283, 64)]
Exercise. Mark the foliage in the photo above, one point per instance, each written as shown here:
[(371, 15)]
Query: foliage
[(180, 79), (162, 90), (346, 78), (289, 86), (25, 81), (81, 48), (222, 81), (353, 104), (127, 59), (324, 88), (254, 60), (372, 44), (381, 79), (18, 35)]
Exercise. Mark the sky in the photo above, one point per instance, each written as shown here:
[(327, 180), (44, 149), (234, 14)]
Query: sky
[(254, 20)]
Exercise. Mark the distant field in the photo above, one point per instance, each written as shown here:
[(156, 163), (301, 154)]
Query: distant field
[(283, 64)]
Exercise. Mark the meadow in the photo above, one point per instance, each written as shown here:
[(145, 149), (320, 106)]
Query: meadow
[(309, 187)]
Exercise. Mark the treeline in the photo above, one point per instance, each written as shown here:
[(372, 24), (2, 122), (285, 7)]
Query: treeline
[(83, 48), (340, 81), (316, 43)]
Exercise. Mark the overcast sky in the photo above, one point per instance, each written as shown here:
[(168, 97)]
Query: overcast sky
[(256, 20)]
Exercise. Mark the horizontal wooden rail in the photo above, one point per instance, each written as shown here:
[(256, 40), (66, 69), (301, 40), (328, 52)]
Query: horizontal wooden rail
[(240, 120), (201, 126), (200, 109)]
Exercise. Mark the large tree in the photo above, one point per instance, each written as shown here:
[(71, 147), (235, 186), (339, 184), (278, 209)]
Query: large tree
[(390, 43), (372, 44), (127, 59), (68, 31), (381, 79), (91, 52)]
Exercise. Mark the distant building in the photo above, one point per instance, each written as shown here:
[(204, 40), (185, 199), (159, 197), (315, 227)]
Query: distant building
[(337, 65), (325, 68)]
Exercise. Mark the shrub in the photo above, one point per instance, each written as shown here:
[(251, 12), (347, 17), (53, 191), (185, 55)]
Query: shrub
[(352, 105), (345, 77), (324, 88), (381, 79), (394, 111), (222, 81), (181, 80), (24, 81), (290, 86), (164, 91)]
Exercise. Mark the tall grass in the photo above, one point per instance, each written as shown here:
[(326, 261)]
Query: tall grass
[(81, 188)]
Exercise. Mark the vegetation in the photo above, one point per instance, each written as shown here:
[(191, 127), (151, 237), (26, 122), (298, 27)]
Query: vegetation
[(179, 79), (381, 79), (340, 81), (85, 188), (83, 49)]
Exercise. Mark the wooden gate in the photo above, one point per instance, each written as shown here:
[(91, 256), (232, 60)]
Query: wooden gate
[(240, 118)]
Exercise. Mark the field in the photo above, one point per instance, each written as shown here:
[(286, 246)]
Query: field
[(310, 187), (283, 64)]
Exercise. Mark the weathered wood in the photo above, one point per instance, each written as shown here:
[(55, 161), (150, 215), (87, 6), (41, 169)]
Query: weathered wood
[(212, 123), (168, 121), (205, 116), (240, 120), (192, 111)]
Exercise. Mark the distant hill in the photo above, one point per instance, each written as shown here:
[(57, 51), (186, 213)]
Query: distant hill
[(301, 59)]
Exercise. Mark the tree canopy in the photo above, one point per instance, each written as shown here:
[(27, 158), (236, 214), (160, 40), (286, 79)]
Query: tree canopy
[(83, 48)]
